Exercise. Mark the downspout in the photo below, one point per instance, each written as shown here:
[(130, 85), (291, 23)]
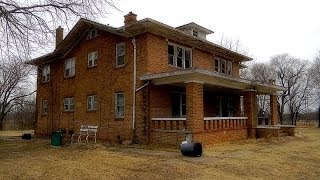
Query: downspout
[(134, 134)]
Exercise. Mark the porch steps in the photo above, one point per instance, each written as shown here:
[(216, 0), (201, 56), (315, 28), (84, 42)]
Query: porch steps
[(283, 134)]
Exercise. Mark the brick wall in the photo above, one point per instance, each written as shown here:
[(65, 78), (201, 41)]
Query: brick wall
[(105, 80)]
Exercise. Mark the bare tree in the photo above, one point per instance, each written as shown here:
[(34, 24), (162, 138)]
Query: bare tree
[(15, 86), (315, 74), (291, 74), (26, 24)]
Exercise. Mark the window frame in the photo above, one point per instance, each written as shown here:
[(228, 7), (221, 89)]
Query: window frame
[(182, 107), (118, 106), (93, 57), (176, 56), (228, 66), (120, 55), (92, 34), (70, 106), (72, 67), (92, 102), (45, 107), (45, 73)]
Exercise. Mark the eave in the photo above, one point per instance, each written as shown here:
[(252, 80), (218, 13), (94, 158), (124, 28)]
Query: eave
[(208, 78)]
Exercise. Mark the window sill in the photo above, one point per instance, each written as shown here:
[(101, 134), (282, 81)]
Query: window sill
[(120, 66), (91, 110), (69, 77), (68, 111), (119, 118), (92, 67)]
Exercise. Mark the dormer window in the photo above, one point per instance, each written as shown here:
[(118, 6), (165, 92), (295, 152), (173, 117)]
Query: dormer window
[(92, 33), (195, 33)]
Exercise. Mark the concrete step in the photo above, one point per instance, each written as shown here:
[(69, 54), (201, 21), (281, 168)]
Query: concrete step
[(282, 134)]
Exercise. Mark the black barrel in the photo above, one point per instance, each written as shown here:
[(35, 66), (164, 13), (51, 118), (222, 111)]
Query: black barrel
[(191, 149)]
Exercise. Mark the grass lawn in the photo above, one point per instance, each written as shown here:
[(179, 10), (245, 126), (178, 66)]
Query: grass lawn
[(285, 158)]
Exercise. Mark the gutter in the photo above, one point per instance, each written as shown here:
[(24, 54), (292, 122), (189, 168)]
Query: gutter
[(134, 90)]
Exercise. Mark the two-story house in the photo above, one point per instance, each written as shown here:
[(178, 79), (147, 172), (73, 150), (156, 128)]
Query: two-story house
[(147, 82)]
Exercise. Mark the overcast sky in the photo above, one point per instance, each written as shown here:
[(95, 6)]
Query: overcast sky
[(264, 28)]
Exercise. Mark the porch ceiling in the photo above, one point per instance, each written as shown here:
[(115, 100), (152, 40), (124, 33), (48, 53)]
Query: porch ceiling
[(181, 77)]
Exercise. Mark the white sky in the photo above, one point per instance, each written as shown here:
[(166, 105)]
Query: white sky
[(264, 28)]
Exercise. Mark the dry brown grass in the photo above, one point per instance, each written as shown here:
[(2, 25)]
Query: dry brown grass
[(287, 158)]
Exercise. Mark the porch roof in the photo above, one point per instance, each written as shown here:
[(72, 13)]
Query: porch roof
[(181, 77)]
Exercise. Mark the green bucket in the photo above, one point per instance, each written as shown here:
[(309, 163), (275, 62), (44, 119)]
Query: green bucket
[(56, 138)]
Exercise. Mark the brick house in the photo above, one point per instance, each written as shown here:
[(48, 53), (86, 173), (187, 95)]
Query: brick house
[(147, 82)]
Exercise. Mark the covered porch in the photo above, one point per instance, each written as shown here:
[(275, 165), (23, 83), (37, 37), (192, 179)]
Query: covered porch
[(205, 106)]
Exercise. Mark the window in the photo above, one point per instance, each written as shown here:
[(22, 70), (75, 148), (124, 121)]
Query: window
[(69, 67), (179, 56), (223, 66), (217, 65), (92, 102), (92, 59), (45, 107), (68, 104), (120, 54), (93, 33), (46, 73), (171, 54), (229, 67), (119, 105), (195, 33), (178, 102)]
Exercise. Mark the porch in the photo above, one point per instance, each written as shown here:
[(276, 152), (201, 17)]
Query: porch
[(205, 106)]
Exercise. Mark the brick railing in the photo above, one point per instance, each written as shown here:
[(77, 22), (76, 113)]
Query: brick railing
[(170, 124), (224, 123)]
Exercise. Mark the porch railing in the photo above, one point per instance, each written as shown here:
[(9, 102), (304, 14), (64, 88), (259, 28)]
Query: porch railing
[(170, 124), (224, 123)]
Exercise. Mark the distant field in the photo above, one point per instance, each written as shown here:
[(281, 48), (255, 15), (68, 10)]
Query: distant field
[(286, 158)]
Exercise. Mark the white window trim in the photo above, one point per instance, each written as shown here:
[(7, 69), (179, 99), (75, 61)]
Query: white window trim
[(93, 103), (45, 107), (93, 57), (116, 105), (117, 56), (226, 66), (45, 73), (175, 47), (68, 104), (72, 68)]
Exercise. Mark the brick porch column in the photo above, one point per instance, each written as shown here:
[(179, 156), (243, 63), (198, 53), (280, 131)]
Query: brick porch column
[(250, 111), (194, 102), (273, 109)]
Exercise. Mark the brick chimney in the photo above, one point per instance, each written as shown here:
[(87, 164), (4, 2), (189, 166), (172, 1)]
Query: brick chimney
[(59, 35), (130, 19)]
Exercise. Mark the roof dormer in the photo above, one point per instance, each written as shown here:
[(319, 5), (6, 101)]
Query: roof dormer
[(195, 30)]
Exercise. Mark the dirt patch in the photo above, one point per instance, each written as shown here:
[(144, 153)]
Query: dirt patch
[(286, 158)]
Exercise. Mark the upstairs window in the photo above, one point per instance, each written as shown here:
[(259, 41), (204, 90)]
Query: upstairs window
[(120, 49), (69, 67), (223, 66), (93, 33), (68, 104), (45, 107), (217, 65), (92, 59), (119, 105), (46, 73), (179, 56), (195, 33), (92, 102)]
